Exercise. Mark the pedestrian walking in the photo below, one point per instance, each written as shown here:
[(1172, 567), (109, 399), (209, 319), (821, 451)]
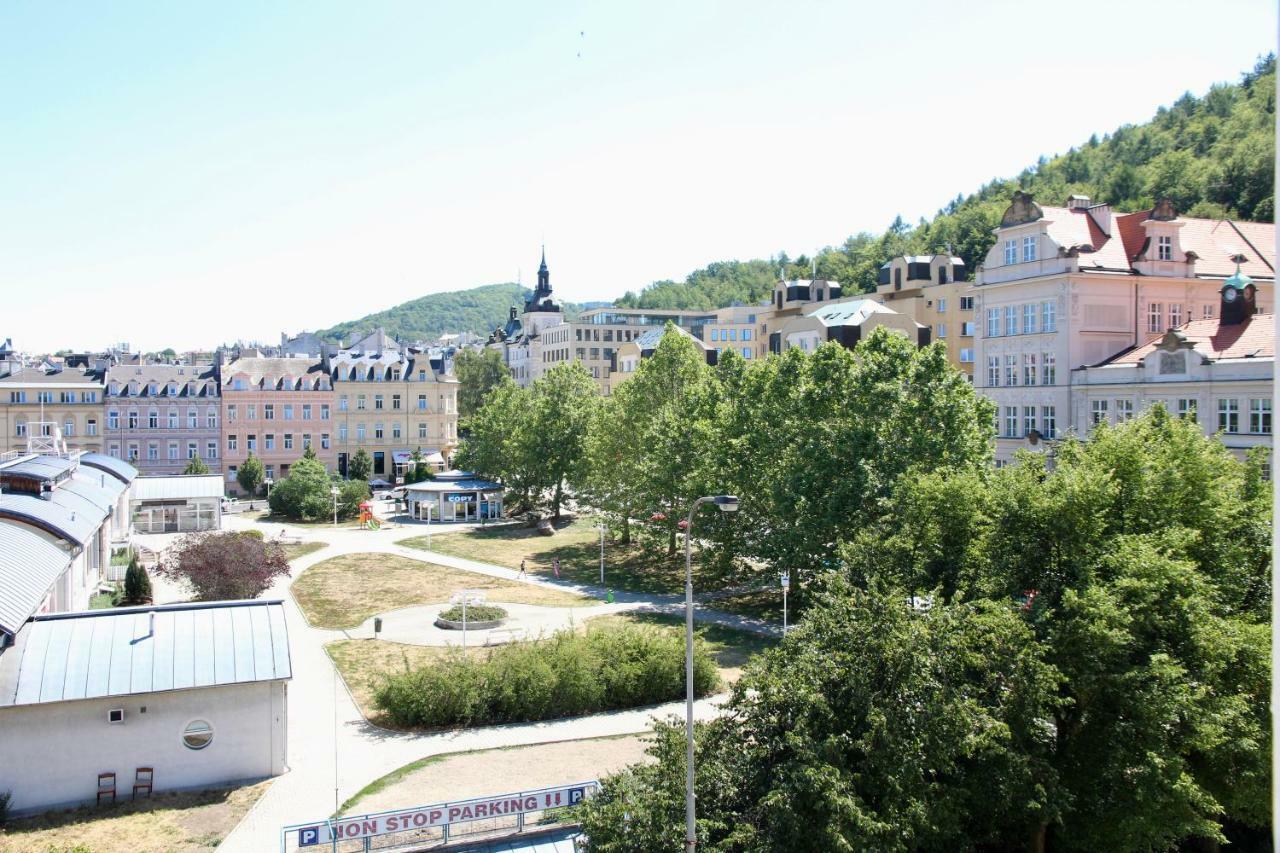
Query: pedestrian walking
[(522, 568), (555, 566)]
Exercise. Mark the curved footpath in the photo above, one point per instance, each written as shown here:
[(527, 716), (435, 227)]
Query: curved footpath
[(331, 746)]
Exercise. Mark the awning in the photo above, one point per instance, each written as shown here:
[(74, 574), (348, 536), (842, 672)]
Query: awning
[(404, 457), (401, 457)]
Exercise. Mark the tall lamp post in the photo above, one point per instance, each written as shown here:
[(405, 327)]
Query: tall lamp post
[(601, 528), (333, 490), (726, 503)]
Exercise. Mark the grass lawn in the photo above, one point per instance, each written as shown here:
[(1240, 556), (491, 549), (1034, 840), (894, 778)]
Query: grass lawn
[(578, 547), (730, 648), (342, 592), (179, 821), (293, 552), (359, 662)]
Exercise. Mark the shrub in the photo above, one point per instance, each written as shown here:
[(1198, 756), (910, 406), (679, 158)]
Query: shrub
[(137, 586), (474, 613), (6, 797), (563, 675), (225, 566), (256, 534)]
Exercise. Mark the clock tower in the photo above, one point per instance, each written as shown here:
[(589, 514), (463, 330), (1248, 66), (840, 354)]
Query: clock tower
[(1239, 298)]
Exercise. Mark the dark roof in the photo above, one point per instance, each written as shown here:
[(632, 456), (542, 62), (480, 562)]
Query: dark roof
[(40, 376)]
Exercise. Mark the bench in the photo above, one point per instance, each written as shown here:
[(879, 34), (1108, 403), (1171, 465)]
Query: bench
[(285, 539), (504, 635)]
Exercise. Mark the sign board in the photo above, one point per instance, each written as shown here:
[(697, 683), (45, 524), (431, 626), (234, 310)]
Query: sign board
[(785, 579), (461, 499), (443, 814)]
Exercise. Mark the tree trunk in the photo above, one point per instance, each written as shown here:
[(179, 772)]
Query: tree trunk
[(1039, 839), (557, 502), (626, 530), (671, 543)]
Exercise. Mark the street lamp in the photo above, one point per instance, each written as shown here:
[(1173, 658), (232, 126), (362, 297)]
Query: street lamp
[(726, 503), (602, 529), (333, 490)]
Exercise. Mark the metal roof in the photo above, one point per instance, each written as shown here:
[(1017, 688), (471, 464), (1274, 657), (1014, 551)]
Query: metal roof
[(124, 652), (453, 486), (177, 487), (39, 467), (29, 565), (71, 517), (95, 487), (121, 470), (559, 841)]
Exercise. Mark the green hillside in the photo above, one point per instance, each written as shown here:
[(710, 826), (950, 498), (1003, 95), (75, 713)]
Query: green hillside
[(1213, 155)]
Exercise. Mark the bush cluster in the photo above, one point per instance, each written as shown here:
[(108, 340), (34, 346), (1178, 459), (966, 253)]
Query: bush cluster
[(564, 675), (475, 613)]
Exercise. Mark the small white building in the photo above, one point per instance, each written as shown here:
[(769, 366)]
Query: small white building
[(454, 496), (196, 693), (180, 504)]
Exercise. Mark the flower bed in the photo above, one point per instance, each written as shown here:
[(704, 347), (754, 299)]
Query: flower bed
[(479, 616)]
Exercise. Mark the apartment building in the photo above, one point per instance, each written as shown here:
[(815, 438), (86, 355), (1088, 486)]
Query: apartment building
[(846, 322), (1067, 287), (932, 291), (275, 408), (740, 328), (39, 401), (161, 416), (391, 402)]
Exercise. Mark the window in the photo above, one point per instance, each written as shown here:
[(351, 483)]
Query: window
[(153, 419), (942, 331), (271, 472), (44, 396), (1010, 370), (942, 301), (360, 431), (966, 303), (231, 412), (211, 418), (231, 473), (395, 402), (1098, 412), (69, 427), (377, 402), (377, 430), (1208, 312), (746, 352), (1155, 317), (422, 430), (1029, 368), (1011, 421), (288, 441), (1048, 421), (342, 403), (1029, 248), (113, 419), (966, 355), (966, 329), (67, 397), (1048, 369), (191, 450), (231, 443), (268, 411), (269, 441), (251, 442), (1175, 315), (173, 451), (395, 430), (133, 450), (1229, 415), (251, 411), (89, 397), (993, 322), (1124, 410), (324, 440), (1187, 408), (360, 404), (288, 412), (715, 335), (153, 451), (746, 334), (211, 450), (1164, 248), (17, 396), (1049, 317), (1011, 319), (342, 433), (1028, 419), (91, 427), (1260, 416), (324, 411), (1030, 313), (422, 402), (993, 371), (1010, 251), (20, 429), (306, 440), (172, 419), (306, 411)]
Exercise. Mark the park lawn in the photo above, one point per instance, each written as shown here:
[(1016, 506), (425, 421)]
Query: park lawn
[(293, 552), (360, 662), (730, 647), (342, 592), (181, 821), (578, 547)]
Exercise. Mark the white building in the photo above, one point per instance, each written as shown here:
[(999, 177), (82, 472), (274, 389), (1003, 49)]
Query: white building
[(1065, 287), (179, 504), (194, 693)]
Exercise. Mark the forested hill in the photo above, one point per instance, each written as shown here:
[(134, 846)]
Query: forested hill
[(478, 310), (1212, 155)]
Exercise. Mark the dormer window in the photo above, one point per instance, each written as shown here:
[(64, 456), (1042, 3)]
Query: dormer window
[(1028, 249), (1164, 248), (1010, 251)]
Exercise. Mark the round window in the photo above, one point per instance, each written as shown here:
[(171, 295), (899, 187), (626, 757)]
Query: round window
[(197, 735)]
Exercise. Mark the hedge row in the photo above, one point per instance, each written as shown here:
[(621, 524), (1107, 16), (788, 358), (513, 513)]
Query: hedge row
[(564, 675)]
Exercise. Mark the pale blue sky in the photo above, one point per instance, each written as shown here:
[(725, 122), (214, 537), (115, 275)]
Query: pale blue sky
[(173, 174)]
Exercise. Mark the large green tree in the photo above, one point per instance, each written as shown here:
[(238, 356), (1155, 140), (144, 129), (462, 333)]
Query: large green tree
[(305, 495), (250, 474), (195, 465), (478, 374), (564, 399), (360, 465)]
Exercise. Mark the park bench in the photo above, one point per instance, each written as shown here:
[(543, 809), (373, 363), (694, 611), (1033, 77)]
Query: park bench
[(283, 538), (504, 635)]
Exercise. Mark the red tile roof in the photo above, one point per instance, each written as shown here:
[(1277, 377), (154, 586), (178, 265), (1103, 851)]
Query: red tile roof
[(1255, 337)]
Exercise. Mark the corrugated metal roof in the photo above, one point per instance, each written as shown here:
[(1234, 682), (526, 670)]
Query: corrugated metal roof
[(39, 467), (72, 518), (29, 565), (117, 652), (94, 486), (559, 841), (118, 468), (178, 487)]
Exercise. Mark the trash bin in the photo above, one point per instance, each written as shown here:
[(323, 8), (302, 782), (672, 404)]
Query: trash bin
[(377, 625)]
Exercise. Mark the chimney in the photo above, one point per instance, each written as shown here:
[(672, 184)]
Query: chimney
[(1078, 202)]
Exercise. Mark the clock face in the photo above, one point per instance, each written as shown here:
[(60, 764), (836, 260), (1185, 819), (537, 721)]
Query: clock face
[(1230, 294)]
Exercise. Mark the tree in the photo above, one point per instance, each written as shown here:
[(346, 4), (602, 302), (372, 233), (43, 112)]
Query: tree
[(250, 474), (221, 566), (304, 495), (478, 374), (418, 470), (360, 466), (137, 586), (564, 399), (195, 465), (498, 445)]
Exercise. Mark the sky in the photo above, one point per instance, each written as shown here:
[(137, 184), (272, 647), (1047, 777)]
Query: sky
[(189, 174)]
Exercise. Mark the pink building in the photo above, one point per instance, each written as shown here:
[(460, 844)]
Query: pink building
[(275, 408)]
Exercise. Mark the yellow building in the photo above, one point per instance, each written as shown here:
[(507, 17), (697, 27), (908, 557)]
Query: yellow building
[(40, 401), (931, 290)]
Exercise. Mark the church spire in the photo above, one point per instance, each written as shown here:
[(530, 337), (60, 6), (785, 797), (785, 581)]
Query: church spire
[(544, 276)]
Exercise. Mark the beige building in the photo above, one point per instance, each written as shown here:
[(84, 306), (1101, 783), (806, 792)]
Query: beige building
[(931, 290), (846, 322), (392, 402), (39, 401)]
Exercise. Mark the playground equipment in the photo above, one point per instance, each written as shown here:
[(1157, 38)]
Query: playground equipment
[(367, 519)]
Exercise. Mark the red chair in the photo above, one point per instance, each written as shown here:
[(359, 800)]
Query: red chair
[(142, 780), (106, 786)]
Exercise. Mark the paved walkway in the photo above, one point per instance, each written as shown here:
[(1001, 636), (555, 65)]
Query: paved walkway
[(333, 751)]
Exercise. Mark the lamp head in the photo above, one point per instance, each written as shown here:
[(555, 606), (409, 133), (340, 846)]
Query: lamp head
[(727, 503)]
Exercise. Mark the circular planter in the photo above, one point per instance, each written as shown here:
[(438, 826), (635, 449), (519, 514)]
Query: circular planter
[(490, 612), (472, 625)]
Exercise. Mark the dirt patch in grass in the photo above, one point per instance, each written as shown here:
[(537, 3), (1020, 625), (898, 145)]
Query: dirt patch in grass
[(293, 552), (730, 648), (342, 592), (180, 821), (577, 546), (462, 775), (360, 662)]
